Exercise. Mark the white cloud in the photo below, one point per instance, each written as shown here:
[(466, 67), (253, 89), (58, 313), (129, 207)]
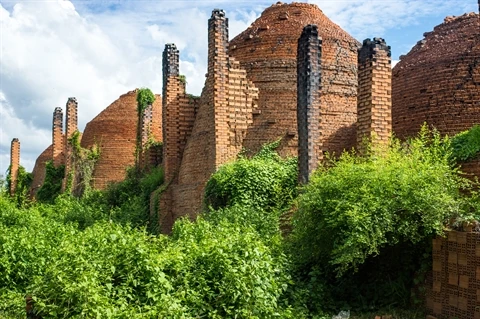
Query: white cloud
[(98, 50)]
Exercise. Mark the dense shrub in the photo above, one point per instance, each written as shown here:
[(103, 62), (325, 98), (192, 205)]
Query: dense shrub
[(466, 145), (52, 185), (212, 268), (265, 181), (360, 208)]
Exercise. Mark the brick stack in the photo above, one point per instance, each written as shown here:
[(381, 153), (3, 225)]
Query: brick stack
[(308, 102), (71, 127), (267, 50), (57, 155), (14, 164), (374, 102), (438, 80), (114, 130), (202, 134), (455, 291)]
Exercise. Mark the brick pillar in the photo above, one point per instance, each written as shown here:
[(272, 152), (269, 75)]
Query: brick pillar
[(172, 88), (14, 165), (218, 78), (374, 102), (70, 128), (308, 102), (57, 137)]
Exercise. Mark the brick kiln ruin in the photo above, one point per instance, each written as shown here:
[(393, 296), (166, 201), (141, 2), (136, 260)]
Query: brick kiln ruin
[(292, 75)]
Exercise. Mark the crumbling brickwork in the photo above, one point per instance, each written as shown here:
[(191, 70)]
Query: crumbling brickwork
[(267, 50), (454, 291), (114, 131), (438, 80), (374, 101), (14, 165), (308, 102), (200, 135), (39, 170), (57, 138), (71, 127)]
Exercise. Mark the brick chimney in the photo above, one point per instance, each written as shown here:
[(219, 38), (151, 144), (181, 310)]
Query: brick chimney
[(374, 101), (57, 138), (309, 52), (70, 128), (14, 165), (172, 88)]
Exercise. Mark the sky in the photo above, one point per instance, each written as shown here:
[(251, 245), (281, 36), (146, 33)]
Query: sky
[(97, 50)]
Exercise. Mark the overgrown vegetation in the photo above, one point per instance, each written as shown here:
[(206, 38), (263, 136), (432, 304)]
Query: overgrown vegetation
[(24, 180), (360, 235), (83, 163), (52, 185), (466, 145), (145, 97)]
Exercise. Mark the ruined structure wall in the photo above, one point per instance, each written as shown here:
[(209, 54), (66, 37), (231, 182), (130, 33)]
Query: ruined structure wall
[(438, 81), (308, 102), (39, 170), (454, 291), (114, 130), (221, 117), (58, 145), (267, 50), (374, 111), (14, 164), (70, 128)]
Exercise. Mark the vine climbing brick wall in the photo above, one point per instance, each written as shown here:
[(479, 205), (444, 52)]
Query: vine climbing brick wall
[(201, 134), (71, 127), (455, 289), (438, 80), (308, 102), (267, 50), (14, 164), (374, 101), (58, 148), (114, 130)]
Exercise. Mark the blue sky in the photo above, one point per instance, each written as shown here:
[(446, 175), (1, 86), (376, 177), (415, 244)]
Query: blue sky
[(97, 50)]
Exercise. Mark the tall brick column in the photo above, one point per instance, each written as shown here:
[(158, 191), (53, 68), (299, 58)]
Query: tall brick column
[(374, 104), (57, 137), (309, 53), (14, 165), (70, 128), (172, 88), (218, 82)]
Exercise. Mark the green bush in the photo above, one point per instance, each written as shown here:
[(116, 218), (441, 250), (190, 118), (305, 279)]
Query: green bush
[(52, 185), (466, 145), (359, 209), (145, 97), (265, 181)]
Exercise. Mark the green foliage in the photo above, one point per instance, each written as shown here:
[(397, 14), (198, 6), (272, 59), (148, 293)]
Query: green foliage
[(83, 164), (265, 181), (24, 180), (52, 185), (361, 209), (182, 78), (145, 97), (466, 145), (211, 268)]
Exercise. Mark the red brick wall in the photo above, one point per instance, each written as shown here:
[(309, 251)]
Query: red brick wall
[(14, 164), (438, 81), (200, 135), (58, 148), (39, 170), (115, 132), (374, 110), (455, 289), (267, 50), (71, 126)]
